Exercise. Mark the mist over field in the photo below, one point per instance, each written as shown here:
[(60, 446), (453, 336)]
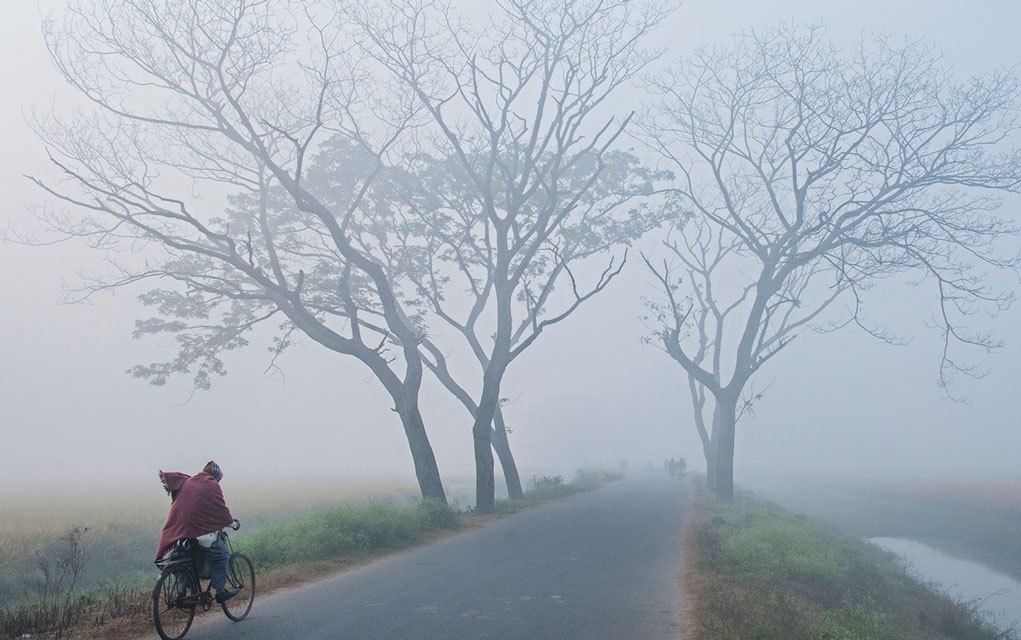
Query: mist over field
[(617, 318), (590, 392)]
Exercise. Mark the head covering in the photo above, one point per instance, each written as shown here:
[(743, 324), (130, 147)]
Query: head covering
[(172, 482), (214, 470)]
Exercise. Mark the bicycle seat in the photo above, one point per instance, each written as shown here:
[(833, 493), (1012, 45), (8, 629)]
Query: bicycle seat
[(179, 553)]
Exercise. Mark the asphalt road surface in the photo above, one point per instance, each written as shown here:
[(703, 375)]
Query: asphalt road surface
[(602, 565)]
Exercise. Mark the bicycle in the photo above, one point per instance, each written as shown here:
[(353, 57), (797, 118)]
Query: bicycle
[(179, 592)]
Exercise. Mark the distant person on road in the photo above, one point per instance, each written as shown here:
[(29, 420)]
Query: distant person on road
[(675, 467), (198, 510)]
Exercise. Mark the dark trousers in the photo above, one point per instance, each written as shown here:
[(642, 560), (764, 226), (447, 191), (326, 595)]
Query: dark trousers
[(218, 559)]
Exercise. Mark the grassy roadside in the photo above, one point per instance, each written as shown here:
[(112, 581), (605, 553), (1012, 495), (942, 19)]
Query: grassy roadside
[(316, 543), (755, 571), (942, 515), (544, 488)]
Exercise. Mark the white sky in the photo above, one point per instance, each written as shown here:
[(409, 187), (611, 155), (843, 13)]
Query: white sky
[(588, 393)]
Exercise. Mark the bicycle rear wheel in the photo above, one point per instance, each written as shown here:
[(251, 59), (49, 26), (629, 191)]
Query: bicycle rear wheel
[(240, 576), (171, 617)]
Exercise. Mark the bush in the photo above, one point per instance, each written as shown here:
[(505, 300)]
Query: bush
[(435, 515), (545, 483), (57, 606)]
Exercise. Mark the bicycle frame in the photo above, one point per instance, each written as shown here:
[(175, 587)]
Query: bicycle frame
[(199, 597)]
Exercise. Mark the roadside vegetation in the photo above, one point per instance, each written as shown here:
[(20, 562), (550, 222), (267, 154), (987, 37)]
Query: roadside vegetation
[(347, 532), (941, 515), (551, 487), (756, 571), (49, 583)]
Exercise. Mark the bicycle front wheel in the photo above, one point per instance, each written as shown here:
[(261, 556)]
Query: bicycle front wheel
[(170, 614), (240, 576)]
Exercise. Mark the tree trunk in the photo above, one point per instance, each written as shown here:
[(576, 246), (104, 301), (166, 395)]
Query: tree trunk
[(426, 471), (503, 451), (499, 435), (404, 393), (485, 484), (698, 397), (710, 467), (724, 427)]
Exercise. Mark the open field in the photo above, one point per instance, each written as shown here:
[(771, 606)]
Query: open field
[(755, 570), (291, 534), (123, 528)]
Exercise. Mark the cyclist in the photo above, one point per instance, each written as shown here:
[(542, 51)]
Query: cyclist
[(198, 511)]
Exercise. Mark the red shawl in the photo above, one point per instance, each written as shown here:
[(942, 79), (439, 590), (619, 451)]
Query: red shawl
[(198, 508)]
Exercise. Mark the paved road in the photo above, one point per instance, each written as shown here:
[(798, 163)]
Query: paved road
[(602, 565)]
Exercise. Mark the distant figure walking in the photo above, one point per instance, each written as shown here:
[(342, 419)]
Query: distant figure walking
[(675, 467), (198, 510)]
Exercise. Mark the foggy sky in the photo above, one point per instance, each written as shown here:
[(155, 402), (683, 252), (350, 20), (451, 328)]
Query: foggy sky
[(588, 393)]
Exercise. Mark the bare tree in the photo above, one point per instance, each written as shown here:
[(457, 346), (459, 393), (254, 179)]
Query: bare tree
[(396, 236), (517, 106), (234, 97), (807, 174), (454, 248)]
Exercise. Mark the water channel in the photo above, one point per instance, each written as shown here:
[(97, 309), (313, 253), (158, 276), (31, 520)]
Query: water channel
[(998, 595)]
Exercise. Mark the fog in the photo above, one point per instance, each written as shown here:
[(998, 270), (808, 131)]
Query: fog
[(589, 392)]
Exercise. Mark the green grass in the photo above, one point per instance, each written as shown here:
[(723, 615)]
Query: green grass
[(346, 531), (759, 572), (774, 546)]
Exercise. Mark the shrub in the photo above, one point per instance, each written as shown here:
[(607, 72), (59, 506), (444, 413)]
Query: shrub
[(436, 515), (544, 483)]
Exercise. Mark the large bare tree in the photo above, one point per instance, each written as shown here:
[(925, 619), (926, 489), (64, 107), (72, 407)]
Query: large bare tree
[(519, 106), (233, 97), (807, 173), (452, 245)]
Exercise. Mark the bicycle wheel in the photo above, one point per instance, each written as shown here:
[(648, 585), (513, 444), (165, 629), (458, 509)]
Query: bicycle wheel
[(240, 576), (170, 616)]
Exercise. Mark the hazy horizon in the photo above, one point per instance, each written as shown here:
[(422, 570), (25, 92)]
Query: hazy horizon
[(588, 394)]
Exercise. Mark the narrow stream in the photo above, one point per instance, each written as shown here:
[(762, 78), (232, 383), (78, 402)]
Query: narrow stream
[(1000, 595)]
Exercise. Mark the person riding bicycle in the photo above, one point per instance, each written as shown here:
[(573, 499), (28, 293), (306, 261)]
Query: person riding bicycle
[(198, 510)]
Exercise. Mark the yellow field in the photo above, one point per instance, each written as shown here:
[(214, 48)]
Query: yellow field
[(59, 509)]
